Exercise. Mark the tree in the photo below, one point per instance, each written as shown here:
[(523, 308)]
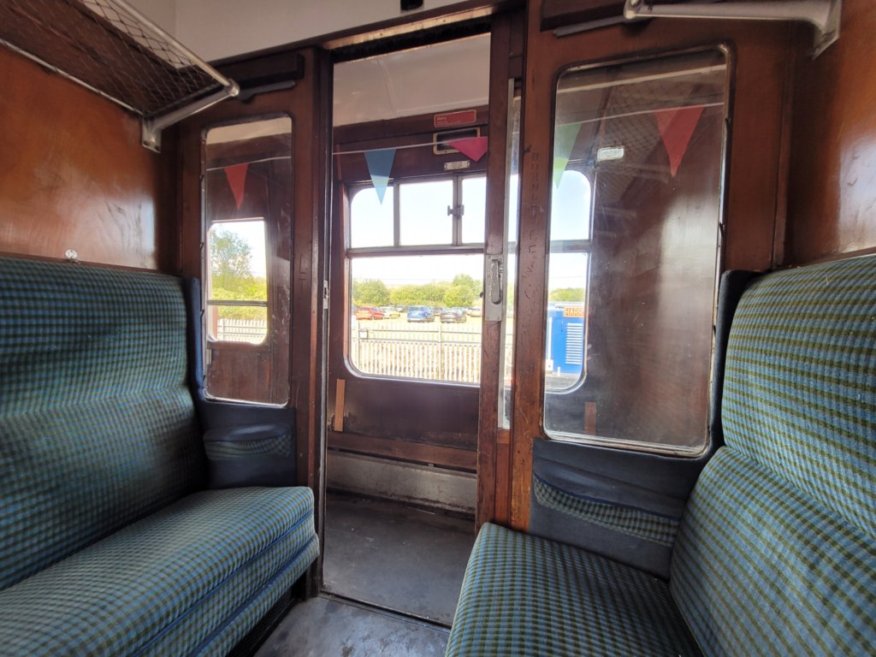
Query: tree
[(429, 294), (370, 292), (230, 256), (231, 277), (467, 281), (459, 296), (567, 294), (405, 295)]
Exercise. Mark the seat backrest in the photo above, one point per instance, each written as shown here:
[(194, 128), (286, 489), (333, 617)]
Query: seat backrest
[(97, 425), (776, 553)]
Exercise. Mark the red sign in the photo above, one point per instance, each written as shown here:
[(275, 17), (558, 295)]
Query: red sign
[(455, 119)]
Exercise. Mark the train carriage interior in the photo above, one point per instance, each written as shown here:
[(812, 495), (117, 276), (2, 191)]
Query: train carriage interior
[(474, 328)]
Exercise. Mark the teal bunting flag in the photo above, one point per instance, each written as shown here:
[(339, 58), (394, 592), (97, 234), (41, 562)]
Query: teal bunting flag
[(379, 167)]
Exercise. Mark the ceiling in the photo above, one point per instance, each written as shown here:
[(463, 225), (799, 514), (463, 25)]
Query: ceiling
[(435, 78)]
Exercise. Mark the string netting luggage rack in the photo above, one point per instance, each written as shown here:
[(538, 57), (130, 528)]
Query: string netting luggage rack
[(112, 49)]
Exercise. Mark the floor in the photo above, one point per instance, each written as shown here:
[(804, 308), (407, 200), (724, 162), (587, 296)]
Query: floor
[(386, 556), (395, 556), (348, 630)]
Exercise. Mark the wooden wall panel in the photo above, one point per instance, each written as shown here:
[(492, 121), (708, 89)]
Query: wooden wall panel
[(832, 202), (73, 174)]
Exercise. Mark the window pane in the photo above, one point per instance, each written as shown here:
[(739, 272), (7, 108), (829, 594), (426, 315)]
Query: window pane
[(632, 274), (236, 253), (371, 221), (570, 207), (566, 345), (423, 212), (247, 199), (474, 202), (237, 324), (512, 219), (417, 317)]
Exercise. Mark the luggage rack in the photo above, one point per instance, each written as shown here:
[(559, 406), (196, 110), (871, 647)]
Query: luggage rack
[(115, 51)]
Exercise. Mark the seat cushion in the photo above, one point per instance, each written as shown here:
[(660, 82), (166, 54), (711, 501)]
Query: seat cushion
[(183, 581), (97, 423), (776, 554), (528, 596), (761, 569), (800, 383)]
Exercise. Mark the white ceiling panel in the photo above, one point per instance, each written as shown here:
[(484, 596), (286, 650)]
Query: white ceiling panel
[(437, 78)]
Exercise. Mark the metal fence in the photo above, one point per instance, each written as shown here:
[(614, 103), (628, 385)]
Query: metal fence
[(433, 352), (253, 331)]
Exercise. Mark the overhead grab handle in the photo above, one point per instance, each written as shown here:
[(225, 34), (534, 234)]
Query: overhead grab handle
[(823, 15)]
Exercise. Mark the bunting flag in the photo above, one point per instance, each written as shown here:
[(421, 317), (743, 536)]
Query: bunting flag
[(236, 175), (565, 137), (474, 148), (379, 167), (676, 129)]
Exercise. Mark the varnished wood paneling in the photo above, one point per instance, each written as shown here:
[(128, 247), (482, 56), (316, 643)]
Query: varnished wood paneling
[(556, 13), (73, 174), (448, 457), (832, 200), (759, 53)]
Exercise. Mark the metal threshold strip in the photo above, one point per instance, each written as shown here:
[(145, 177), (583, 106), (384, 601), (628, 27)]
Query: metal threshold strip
[(113, 50)]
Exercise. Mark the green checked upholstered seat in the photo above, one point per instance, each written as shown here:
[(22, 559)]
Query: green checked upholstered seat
[(108, 543), (530, 597), (776, 553), (188, 580)]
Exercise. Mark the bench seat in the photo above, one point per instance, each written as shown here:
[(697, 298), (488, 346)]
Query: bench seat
[(529, 597), (181, 581), (776, 550)]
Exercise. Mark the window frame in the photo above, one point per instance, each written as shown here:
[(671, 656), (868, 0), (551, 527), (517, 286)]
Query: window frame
[(455, 247), (577, 245), (277, 289), (627, 444), (235, 303)]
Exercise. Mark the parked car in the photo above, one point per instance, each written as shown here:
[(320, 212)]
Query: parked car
[(367, 312), (453, 316), (420, 314), (389, 312), (474, 312)]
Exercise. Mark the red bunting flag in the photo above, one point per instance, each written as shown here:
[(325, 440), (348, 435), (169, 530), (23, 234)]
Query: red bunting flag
[(676, 129), (236, 174), (474, 148)]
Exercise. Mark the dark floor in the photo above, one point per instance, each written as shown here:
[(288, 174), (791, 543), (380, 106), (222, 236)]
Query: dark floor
[(395, 556), (323, 627)]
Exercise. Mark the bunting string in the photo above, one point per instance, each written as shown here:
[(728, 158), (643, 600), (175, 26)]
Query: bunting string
[(397, 148), (644, 112)]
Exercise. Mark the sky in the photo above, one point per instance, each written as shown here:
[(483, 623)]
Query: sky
[(424, 220)]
